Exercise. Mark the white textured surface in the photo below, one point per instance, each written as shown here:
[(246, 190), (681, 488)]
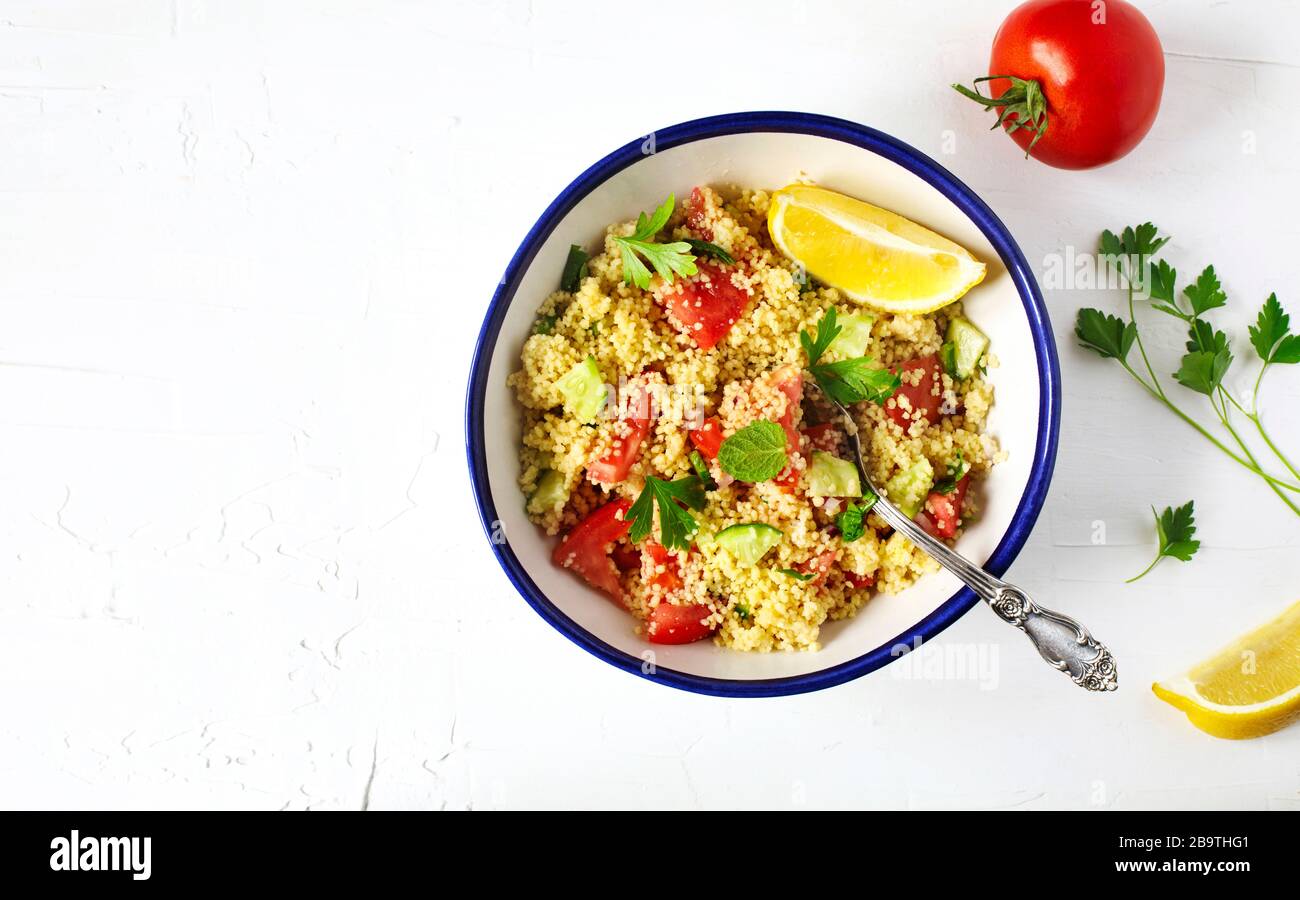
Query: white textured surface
[(244, 252)]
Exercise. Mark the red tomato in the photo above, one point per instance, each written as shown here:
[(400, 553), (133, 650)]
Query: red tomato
[(586, 548), (789, 381), (654, 555), (942, 512), (708, 437), (671, 624), (698, 210), (1100, 67), (626, 557), (824, 437), (788, 480), (923, 401), (707, 305), (859, 582), (819, 565), (629, 432)]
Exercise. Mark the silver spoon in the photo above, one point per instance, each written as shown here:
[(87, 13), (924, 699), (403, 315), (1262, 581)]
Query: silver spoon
[(1063, 642)]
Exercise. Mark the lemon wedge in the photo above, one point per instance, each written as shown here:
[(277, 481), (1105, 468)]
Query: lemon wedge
[(871, 254), (1248, 689)]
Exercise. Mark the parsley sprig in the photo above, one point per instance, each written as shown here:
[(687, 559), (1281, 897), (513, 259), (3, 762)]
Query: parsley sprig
[(669, 260), (1208, 355), (676, 526), (846, 381), (1174, 528)]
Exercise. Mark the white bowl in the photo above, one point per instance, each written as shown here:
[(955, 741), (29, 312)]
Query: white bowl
[(769, 150)]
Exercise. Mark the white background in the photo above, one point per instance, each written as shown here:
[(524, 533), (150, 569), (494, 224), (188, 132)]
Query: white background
[(245, 249)]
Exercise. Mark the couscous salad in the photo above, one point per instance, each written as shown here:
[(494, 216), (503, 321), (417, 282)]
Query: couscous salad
[(675, 435)]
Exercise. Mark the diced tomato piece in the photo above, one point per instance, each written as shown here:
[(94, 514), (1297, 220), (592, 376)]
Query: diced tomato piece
[(707, 305), (859, 582), (922, 398), (629, 432), (942, 512), (708, 437), (586, 549), (653, 556), (697, 214), (626, 557), (789, 381), (788, 480), (824, 437), (819, 565), (672, 624)]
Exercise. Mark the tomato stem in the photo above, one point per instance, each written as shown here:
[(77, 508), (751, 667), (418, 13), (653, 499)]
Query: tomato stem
[(1023, 105)]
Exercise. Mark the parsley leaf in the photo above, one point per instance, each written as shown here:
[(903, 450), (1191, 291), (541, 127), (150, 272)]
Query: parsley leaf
[(546, 324), (669, 260), (1161, 286), (1203, 370), (797, 575), (1137, 243), (1202, 336), (742, 611), (851, 381), (848, 381), (957, 470), (1106, 335), (827, 331), (575, 269), (1271, 334), (676, 525), (708, 248), (754, 453), (1287, 352), (1206, 294), (1174, 529), (852, 522), (803, 280), (702, 471)]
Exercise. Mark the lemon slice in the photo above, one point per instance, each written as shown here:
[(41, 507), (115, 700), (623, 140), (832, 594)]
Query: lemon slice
[(1248, 689), (875, 256)]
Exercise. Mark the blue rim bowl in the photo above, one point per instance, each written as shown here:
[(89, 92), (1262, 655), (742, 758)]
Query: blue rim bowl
[(1049, 419)]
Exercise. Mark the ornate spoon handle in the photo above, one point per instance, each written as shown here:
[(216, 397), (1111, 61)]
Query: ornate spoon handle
[(1061, 641)]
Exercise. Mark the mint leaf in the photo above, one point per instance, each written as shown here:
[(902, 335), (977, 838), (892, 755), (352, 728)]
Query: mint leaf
[(1203, 370), (852, 522), (797, 575), (1104, 334), (754, 453), (1206, 294)]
